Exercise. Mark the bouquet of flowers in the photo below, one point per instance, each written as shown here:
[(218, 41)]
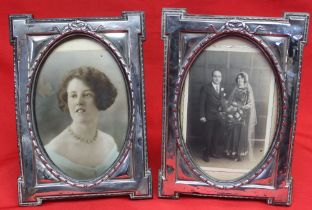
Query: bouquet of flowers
[(232, 113)]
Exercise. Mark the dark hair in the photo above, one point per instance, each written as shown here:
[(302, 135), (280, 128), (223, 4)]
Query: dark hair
[(243, 75), (105, 92)]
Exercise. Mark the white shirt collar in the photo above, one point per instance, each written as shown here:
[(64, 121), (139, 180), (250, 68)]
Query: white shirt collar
[(215, 85)]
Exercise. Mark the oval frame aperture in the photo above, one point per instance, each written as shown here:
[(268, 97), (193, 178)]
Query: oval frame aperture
[(119, 112), (195, 160)]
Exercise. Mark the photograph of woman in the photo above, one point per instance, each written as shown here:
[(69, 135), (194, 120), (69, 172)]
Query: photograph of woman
[(81, 150), (241, 119)]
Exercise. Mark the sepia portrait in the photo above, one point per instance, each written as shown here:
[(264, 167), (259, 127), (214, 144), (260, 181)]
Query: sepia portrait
[(230, 108), (81, 108)]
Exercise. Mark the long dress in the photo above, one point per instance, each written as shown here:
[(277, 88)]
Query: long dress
[(240, 135)]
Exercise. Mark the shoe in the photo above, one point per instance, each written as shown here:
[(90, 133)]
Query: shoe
[(215, 156), (206, 158), (237, 159)]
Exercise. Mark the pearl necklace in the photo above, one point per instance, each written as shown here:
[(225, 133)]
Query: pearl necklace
[(84, 140)]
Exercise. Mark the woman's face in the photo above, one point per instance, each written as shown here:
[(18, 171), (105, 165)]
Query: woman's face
[(240, 81), (80, 100)]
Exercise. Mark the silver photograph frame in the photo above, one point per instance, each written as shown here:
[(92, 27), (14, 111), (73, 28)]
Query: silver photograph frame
[(34, 41), (186, 37)]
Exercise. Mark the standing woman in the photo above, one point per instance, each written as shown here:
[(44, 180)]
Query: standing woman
[(81, 150), (241, 134)]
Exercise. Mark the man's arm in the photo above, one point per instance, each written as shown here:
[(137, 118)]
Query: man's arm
[(202, 103)]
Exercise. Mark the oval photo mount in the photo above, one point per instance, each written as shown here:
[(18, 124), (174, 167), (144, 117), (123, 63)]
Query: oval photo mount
[(80, 94), (228, 107)]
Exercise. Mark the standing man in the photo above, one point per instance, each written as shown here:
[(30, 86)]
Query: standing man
[(211, 99)]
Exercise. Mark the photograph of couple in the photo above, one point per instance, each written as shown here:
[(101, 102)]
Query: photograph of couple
[(229, 108), (228, 123)]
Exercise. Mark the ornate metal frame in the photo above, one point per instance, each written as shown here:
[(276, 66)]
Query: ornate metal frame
[(271, 179), (39, 179)]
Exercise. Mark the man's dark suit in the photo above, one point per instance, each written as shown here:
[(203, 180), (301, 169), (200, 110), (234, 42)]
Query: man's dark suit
[(210, 101)]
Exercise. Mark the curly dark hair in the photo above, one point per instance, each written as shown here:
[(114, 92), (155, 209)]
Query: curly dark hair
[(243, 75), (105, 92)]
